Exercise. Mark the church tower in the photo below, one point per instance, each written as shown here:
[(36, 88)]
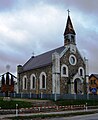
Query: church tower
[(69, 33)]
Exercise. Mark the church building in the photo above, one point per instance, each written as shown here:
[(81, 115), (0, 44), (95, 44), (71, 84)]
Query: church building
[(62, 70)]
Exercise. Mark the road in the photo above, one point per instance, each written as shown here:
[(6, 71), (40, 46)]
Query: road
[(82, 117)]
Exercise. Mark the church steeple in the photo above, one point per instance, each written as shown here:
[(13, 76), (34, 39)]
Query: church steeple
[(69, 33)]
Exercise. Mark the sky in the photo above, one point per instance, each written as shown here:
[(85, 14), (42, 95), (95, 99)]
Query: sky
[(30, 27)]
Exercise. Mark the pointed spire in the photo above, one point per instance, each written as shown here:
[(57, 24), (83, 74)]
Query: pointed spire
[(69, 33), (68, 12), (69, 27)]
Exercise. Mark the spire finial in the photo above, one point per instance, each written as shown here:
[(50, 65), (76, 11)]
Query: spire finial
[(68, 12)]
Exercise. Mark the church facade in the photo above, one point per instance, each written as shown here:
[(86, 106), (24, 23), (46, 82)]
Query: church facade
[(62, 70)]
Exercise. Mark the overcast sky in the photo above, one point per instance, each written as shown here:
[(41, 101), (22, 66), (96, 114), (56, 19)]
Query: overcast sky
[(36, 26)]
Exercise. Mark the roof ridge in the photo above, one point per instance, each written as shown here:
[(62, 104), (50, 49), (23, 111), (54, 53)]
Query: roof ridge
[(41, 59), (49, 51)]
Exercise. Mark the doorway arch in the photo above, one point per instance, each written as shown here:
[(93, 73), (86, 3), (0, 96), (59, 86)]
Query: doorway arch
[(78, 86)]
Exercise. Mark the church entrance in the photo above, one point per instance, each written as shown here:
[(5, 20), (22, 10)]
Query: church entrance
[(78, 86)]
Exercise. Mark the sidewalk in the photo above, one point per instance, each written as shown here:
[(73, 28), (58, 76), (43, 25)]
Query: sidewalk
[(50, 113)]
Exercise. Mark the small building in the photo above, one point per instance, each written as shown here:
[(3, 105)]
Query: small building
[(7, 83), (93, 84)]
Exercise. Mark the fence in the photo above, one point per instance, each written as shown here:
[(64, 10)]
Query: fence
[(52, 96)]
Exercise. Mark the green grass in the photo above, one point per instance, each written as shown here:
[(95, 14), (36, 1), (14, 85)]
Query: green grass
[(12, 104), (77, 102), (22, 103)]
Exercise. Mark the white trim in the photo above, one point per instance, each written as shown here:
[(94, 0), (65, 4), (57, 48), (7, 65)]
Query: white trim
[(64, 51), (56, 73), (74, 59), (42, 73), (77, 76), (23, 82), (31, 81), (64, 75), (81, 68), (73, 80)]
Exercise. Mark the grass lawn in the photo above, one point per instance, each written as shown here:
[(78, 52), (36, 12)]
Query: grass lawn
[(27, 103), (77, 102), (12, 104)]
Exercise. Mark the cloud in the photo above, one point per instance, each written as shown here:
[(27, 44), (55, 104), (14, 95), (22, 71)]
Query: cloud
[(7, 5), (22, 33)]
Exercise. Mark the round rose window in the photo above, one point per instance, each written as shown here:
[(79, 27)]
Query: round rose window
[(72, 60)]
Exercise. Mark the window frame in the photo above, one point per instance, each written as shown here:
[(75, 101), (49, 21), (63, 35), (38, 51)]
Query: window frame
[(24, 83), (79, 71), (72, 59), (32, 82), (41, 78), (62, 70)]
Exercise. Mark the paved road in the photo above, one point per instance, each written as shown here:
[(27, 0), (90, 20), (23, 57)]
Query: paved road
[(62, 112), (82, 117)]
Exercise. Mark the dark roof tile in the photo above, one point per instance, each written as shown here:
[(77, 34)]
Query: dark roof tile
[(41, 60)]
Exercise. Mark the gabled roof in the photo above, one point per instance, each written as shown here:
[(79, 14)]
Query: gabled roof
[(41, 60), (95, 75), (69, 27)]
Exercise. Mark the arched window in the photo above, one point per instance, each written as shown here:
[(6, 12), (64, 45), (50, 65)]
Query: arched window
[(24, 82), (72, 38), (81, 71), (32, 82), (64, 71), (43, 80)]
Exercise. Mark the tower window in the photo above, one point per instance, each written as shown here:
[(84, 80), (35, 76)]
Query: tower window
[(66, 40), (66, 37), (72, 38)]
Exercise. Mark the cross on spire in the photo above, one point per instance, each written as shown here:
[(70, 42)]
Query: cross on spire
[(68, 12), (69, 27)]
